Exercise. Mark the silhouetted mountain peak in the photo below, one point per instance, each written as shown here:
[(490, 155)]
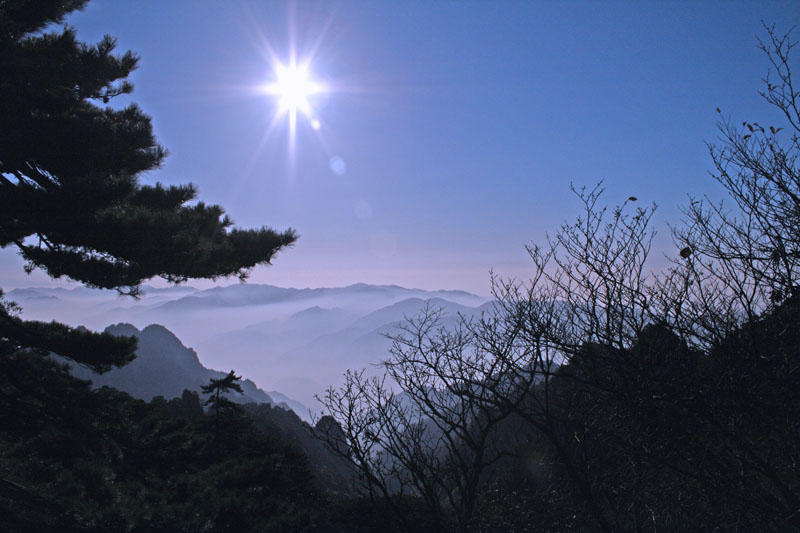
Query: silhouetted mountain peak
[(165, 367), (165, 338), (123, 329)]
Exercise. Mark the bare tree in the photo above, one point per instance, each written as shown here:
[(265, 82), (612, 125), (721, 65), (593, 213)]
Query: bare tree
[(430, 437), (739, 259), (433, 439), (389, 444), (594, 269), (647, 387), (590, 288)]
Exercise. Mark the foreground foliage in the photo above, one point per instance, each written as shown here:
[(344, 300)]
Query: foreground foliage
[(107, 462)]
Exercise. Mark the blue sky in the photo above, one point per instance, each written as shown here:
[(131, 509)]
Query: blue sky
[(451, 131)]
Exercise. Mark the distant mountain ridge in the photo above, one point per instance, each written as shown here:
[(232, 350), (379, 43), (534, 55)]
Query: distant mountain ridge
[(248, 295)]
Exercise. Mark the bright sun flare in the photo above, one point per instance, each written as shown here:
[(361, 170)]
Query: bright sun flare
[(294, 91), (293, 87)]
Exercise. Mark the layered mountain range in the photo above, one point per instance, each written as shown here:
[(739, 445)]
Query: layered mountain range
[(296, 341)]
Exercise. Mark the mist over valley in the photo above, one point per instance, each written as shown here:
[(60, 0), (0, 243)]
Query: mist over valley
[(296, 342)]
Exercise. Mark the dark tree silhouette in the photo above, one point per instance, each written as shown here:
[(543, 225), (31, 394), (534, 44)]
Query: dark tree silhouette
[(71, 201), (216, 388), (72, 204)]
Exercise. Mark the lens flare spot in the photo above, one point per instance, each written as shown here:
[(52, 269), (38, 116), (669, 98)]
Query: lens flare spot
[(338, 165)]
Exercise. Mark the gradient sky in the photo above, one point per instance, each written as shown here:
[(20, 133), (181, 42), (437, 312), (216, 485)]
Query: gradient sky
[(451, 131)]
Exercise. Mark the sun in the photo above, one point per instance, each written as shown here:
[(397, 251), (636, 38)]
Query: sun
[(289, 93), (293, 87)]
